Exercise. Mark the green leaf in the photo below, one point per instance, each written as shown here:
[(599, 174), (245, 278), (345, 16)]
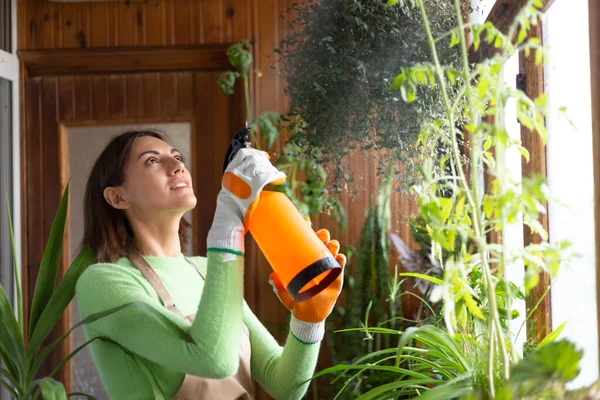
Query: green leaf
[(488, 206), (538, 56), (390, 388), (51, 389), (79, 394), (11, 338), (532, 278), (522, 35), (58, 302), (391, 3), (454, 389), (524, 152), (555, 361), (46, 279), (455, 40), (472, 305), (432, 279), (15, 268), (552, 336), (498, 42)]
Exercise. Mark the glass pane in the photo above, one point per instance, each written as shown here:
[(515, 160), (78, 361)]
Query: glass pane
[(513, 235), (6, 170), (5, 26), (6, 185), (85, 144), (570, 176)]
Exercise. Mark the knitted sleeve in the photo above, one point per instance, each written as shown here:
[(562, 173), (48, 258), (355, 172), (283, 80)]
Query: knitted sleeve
[(281, 371), (216, 329)]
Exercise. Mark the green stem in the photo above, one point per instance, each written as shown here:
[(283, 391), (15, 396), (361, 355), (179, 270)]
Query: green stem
[(472, 195), (478, 217), (249, 117), (491, 361)]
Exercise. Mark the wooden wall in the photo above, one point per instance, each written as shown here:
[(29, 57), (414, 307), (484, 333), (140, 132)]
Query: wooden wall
[(45, 25)]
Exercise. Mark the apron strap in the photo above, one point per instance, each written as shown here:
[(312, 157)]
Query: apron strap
[(140, 263), (202, 274)]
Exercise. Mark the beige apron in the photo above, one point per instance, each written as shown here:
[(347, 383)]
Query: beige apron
[(237, 387)]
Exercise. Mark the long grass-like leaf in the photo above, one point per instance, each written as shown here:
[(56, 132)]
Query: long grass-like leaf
[(13, 380), (162, 319), (11, 338), (16, 269), (552, 336), (390, 388), (9, 386), (51, 389), (58, 302), (456, 388), (371, 330), (79, 394), (73, 354), (431, 279), (46, 280), (9, 362)]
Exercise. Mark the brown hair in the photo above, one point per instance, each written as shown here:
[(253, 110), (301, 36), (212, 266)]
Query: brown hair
[(106, 229)]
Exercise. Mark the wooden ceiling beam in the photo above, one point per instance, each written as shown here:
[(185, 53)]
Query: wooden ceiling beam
[(124, 60)]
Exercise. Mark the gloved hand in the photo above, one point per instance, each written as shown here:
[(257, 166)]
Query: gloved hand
[(308, 316), (245, 177)]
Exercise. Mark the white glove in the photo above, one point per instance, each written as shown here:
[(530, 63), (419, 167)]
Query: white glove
[(245, 177)]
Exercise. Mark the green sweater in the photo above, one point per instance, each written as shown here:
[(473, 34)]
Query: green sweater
[(220, 311)]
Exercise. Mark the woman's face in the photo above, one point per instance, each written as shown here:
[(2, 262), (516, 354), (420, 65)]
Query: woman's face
[(156, 178)]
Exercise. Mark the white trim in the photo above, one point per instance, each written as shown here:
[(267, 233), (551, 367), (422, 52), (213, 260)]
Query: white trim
[(9, 66)]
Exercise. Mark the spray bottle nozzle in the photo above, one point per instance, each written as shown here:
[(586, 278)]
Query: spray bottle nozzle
[(239, 141)]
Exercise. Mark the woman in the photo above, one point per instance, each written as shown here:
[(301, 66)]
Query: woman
[(136, 196)]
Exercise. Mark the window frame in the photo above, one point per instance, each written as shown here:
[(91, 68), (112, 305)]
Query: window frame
[(9, 70)]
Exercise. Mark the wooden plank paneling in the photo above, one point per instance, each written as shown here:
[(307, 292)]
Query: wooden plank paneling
[(168, 94), (185, 85), (83, 94), (183, 31), (33, 187), (99, 97), (203, 166), (126, 25), (116, 96), (153, 29), (540, 325), (45, 26), (212, 21), (99, 32), (66, 106), (152, 101), (135, 96)]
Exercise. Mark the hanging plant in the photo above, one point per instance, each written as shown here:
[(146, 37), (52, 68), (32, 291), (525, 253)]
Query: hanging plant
[(338, 66)]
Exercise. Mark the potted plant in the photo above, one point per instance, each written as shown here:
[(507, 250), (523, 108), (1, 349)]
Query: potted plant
[(338, 65)]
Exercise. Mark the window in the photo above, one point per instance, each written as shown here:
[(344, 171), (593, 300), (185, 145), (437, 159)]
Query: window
[(9, 146), (9, 151), (570, 176)]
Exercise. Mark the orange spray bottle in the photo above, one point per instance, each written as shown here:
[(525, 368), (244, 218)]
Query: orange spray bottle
[(300, 259)]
